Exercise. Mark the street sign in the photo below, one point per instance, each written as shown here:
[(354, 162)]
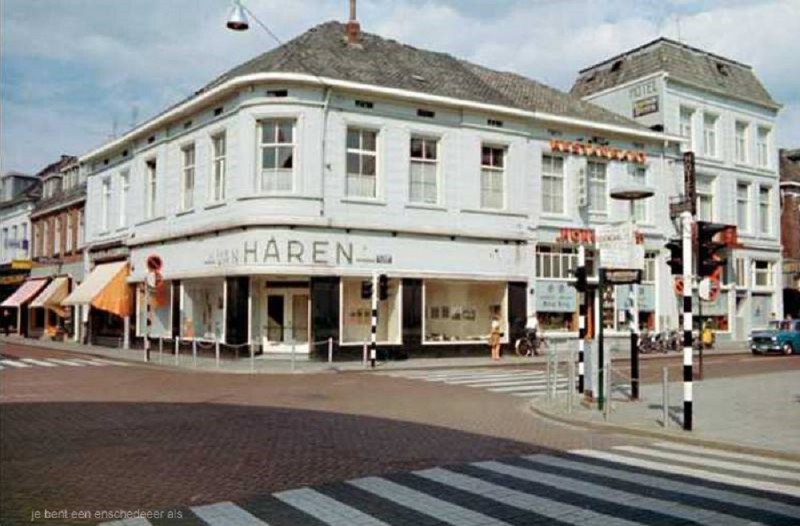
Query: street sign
[(618, 248), (622, 276)]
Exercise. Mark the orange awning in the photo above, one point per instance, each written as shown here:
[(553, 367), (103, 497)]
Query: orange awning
[(105, 288), (25, 292), (116, 296)]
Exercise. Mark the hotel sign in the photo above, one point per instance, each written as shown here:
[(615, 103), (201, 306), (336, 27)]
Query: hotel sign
[(596, 150)]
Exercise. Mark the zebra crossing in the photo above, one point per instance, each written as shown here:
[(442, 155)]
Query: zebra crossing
[(663, 482), (15, 363), (515, 382)]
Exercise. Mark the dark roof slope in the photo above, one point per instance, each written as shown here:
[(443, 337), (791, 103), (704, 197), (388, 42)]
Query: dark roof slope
[(790, 166), (323, 51), (681, 62), (56, 166)]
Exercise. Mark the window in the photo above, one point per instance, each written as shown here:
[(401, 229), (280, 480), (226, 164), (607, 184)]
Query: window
[(357, 314), (424, 171), (492, 176), (762, 273), (764, 210), (709, 135), (70, 238), (685, 125), (105, 205), (81, 227), (218, 168), (462, 311), (25, 239), (705, 198), (150, 190), (740, 274), (598, 195), (640, 208), (743, 206), (277, 155), (56, 236), (742, 145), (649, 274), (552, 184), (555, 262), (362, 162), (124, 191), (187, 178), (762, 145)]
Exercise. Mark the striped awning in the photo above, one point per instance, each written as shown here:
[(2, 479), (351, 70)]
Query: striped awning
[(25, 292), (52, 296)]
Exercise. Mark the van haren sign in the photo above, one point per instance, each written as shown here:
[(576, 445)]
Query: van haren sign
[(286, 251)]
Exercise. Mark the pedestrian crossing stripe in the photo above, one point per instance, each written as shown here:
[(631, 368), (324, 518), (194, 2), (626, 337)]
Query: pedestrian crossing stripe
[(514, 382), (33, 363), (626, 485)]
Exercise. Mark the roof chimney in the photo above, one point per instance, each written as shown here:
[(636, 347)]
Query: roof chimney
[(353, 30)]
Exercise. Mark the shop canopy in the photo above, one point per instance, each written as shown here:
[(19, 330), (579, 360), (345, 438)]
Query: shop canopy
[(25, 292), (52, 296), (105, 288)]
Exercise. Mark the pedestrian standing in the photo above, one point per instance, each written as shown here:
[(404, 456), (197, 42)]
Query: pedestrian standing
[(494, 336), (6, 318)]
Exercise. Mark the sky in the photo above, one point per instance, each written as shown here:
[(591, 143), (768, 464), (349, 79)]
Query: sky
[(74, 72)]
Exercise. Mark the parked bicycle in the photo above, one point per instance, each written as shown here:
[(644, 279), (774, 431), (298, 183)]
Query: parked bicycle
[(530, 344)]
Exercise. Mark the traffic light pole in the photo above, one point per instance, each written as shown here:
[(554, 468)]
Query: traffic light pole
[(600, 346), (373, 351), (686, 235), (581, 320)]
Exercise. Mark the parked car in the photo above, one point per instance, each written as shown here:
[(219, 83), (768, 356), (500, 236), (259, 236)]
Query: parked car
[(780, 336)]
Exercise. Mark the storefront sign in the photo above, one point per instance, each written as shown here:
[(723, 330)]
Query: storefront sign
[(584, 236), (21, 264), (555, 296), (595, 150), (285, 251), (645, 106), (646, 297), (618, 248)]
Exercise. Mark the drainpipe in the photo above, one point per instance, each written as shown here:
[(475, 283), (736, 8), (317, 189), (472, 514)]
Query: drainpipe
[(325, 107)]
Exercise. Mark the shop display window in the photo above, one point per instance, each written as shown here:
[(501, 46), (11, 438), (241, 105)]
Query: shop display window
[(462, 311), (161, 311), (357, 314), (203, 309)]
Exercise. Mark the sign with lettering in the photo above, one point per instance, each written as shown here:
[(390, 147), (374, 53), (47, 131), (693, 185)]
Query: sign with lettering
[(555, 296), (689, 181), (643, 89), (584, 236), (645, 106), (618, 247)]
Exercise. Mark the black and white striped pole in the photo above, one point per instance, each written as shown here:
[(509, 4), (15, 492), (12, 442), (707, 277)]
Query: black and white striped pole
[(148, 321), (373, 351), (686, 235), (581, 319)]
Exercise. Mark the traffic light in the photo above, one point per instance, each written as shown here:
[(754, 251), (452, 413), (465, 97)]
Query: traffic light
[(675, 260), (580, 283), (383, 286), (366, 289), (709, 257)]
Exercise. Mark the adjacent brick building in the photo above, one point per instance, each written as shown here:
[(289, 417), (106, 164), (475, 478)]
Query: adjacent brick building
[(790, 229)]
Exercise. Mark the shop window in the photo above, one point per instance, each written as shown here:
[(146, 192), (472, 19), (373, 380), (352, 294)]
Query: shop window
[(357, 314), (203, 309), (277, 155), (161, 311), (555, 262), (362, 163), (462, 311)]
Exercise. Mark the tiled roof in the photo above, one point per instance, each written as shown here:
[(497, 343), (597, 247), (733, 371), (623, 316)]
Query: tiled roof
[(790, 166), (62, 197), (378, 61), (680, 62)]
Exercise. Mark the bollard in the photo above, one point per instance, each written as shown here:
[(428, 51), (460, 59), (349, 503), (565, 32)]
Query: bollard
[(177, 351), (555, 374), (548, 374), (364, 359), (194, 353), (160, 349), (146, 349), (330, 350), (293, 349), (570, 382), (607, 408), (252, 359), (216, 350), (665, 394)]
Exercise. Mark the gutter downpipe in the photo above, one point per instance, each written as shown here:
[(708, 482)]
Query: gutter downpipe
[(325, 108)]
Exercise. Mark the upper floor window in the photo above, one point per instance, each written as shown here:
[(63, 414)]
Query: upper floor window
[(640, 208), (740, 274), (710, 135), (362, 162), (742, 146), (105, 205), (764, 210), (25, 242), (555, 262), (81, 228), (743, 206), (649, 273), (151, 189), (187, 177), (552, 184), (685, 125), (492, 176), (69, 235), (218, 167), (57, 235), (277, 155), (424, 171), (124, 192), (705, 198), (762, 146), (762, 273), (598, 193)]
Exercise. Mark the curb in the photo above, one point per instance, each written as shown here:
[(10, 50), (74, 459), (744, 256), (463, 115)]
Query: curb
[(674, 437)]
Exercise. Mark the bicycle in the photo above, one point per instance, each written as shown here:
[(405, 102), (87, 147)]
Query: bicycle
[(530, 344)]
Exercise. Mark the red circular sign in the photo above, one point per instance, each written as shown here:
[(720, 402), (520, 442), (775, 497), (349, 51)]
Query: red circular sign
[(154, 263)]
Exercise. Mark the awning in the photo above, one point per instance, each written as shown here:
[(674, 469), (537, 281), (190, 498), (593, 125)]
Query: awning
[(25, 292), (52, 295), (105, 288)]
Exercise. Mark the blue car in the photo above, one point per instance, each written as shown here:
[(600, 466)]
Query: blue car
[(781, 336)]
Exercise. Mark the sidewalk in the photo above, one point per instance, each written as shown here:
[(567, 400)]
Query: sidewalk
[(283, 364), (758, 412)]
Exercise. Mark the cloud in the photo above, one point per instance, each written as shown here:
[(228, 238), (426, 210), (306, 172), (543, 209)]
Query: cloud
[(72, 67)]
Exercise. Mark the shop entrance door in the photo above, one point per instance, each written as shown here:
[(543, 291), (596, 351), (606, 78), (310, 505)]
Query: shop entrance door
[(287, 324)]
